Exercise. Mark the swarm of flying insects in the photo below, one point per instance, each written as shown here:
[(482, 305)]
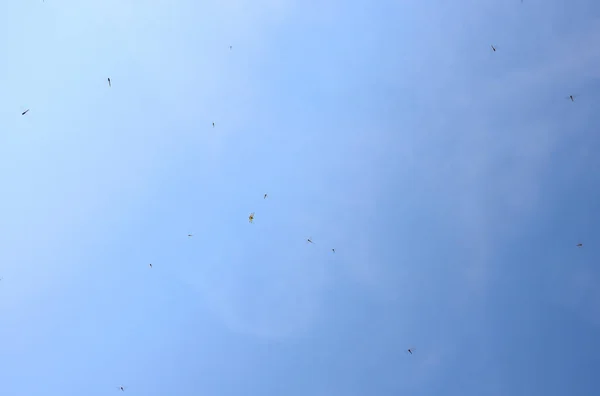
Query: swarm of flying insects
[(322, 248)]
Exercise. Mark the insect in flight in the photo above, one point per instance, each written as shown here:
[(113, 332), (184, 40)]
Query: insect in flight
[(571, 97), (493, 48), (265, 197), (580, 245), (251, 217), (150, 266), (410, 350), (309, 240), (25, 112), (109, 84)]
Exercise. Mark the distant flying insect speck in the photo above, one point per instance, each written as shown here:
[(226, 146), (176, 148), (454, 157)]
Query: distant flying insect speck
[(333, 250), (265, 197), (109, 84), (230, 47), (251, 217), (150, 265), (580, 245), (572, 97), (190, 235), (213, 124), (121, 388), (410, 350), (309, 240), (493, 48), (25, 112)]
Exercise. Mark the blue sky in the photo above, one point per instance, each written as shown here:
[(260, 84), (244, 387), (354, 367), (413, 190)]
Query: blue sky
[(453, 181)]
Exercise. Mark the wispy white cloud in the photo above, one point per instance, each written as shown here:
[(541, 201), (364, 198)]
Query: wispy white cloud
[(497, 145), (484, 153), (278, 299), (507, 167), (486, 169)]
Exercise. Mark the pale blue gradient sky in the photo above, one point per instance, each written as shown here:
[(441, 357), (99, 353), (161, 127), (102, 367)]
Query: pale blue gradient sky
[(453, 182)]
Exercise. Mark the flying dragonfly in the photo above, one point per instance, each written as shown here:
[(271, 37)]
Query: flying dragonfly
[(493, 48), (251, 217), (109, 84), (571, 97), (580, 245), (309, 240), (25, 112), (410, 350)]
